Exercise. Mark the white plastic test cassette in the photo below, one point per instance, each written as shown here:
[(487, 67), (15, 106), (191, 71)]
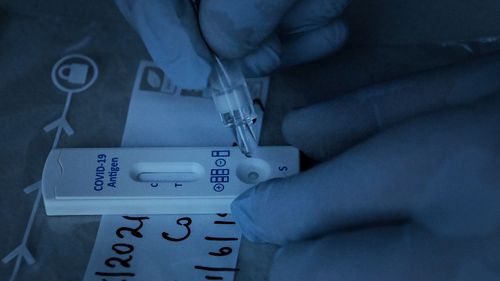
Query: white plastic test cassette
[(94, 181)]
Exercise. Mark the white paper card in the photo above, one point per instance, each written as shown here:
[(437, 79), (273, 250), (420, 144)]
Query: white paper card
[(135, 247)]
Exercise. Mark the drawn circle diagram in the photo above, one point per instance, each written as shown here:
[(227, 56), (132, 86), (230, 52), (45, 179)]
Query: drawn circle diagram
[(220, 162), (218, 187), (74, 73)]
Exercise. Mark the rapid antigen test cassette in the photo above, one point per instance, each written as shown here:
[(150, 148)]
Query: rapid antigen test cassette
[(95, 181)]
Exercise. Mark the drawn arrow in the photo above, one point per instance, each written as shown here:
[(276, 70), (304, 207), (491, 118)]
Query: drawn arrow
[(32, 187), (21, 252), (60, 122)]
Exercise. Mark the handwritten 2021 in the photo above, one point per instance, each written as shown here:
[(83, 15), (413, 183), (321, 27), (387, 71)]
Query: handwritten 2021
[(119, 263)]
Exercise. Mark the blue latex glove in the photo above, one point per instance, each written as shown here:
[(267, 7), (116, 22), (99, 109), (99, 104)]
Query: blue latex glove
[(262, 34), (418, 200)]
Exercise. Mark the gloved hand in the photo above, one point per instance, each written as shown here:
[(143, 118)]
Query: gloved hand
[(262, 34), (417, 201)]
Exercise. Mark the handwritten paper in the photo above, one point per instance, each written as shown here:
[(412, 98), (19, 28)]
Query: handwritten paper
[(165, 247), (170, 247)]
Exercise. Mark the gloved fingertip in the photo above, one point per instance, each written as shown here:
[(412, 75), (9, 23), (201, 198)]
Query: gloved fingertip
[(314, 44), (243, 211), (264, 60), (341, 31), (124, 7), (279, 269), (187, 75), (296, 129), (170, 34), (334, 35), (218, 29), (289, 124)]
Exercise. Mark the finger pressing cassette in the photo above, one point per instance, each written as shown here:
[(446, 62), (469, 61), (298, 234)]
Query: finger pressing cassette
[(98, 181)]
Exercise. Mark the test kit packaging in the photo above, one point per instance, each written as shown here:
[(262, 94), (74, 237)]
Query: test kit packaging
[(97, 181)]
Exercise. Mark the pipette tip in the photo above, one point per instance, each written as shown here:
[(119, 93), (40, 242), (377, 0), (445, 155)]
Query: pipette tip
[(241, 133)]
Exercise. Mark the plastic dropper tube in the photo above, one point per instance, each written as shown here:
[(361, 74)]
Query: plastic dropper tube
[(233, 102)]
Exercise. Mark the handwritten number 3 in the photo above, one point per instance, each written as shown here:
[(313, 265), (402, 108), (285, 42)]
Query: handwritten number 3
[(184, 221)]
